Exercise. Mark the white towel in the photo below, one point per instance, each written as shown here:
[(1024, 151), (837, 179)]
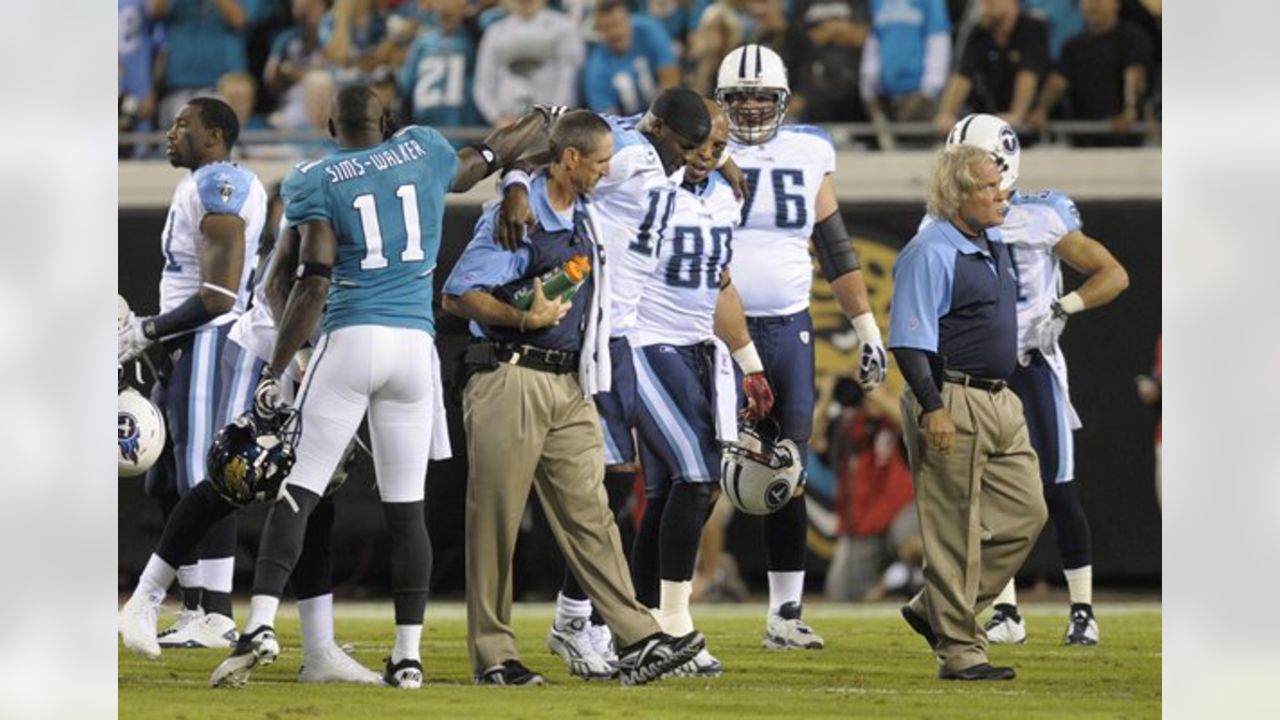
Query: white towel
[(1058, 364), (595, 369), (441, 449), (726, 395)]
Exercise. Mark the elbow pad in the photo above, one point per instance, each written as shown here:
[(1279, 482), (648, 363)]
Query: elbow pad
[(835, 252)]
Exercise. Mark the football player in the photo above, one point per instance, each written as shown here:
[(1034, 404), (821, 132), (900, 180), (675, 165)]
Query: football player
[(369, 219), (634, 203), (792, 200), (210, 241), (685, 384), (1042, 230)]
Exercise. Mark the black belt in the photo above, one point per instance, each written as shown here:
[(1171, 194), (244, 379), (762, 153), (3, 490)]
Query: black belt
[(536, 358), (989, 384)]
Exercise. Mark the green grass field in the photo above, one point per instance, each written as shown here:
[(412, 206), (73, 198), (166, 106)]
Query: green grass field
[(873, 666)]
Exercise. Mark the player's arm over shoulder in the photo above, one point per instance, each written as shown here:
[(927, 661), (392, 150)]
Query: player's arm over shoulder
[(813, 144)]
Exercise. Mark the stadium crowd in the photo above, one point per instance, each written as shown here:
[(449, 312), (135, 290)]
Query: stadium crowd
[(480, 63)]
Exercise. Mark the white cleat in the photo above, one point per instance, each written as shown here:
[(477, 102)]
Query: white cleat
[(574, 645), (786, 631), (180, 628), (602, 641), (1082, 629), (332, 665), (209, 630), (1006, 628), (252, 649), (704, 664), (137, 623)]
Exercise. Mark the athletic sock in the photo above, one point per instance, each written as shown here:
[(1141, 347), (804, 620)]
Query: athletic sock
[(408, 639), (568, 609), (216, 574), (156, 578), (785, 587), (316, 617), (1007, 597), (262, 611), (189, 580), (1080, 585), (673, 612)]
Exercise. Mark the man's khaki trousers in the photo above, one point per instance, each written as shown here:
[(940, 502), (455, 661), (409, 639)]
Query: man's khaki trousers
[(981, 509), (532, 428)]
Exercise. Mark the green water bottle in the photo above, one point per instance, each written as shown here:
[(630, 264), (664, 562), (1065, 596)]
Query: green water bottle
[(562, 282)]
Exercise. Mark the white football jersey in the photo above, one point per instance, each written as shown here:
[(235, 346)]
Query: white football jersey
[(255, 330), (679, 303), (772, 268), (216, 188), (633, 205), (1034, 225)]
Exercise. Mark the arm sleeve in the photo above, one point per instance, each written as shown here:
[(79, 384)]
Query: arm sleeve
[(483, 265), (915, 368), (921, 296)]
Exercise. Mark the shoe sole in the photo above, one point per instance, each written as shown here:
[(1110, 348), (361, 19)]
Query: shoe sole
[(674, 662), (1002, 641), (773, 643), (234, 671), (143, 650)]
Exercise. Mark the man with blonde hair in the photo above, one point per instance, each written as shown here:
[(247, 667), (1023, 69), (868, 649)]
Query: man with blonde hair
[(954, 334)]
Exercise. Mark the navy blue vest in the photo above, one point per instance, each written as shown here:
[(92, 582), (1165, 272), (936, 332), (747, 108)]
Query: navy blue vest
[(551, 250)]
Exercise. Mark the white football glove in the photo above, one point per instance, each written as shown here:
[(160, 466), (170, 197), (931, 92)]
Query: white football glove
[(551, 113), (267, 400), (1048, 328), (873, 361), (131, 341)]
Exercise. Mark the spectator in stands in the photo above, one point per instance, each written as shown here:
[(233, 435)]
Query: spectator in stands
[(727, 24), (435, 81), (240, 91), (630, 62), (906, 59), (530, 56), (1000, 67), (296, 51), (1062, 19), (825, 57), (355, 39), (875, 502), (206, 40), (140, 41), (1102, 73), (680, 18)]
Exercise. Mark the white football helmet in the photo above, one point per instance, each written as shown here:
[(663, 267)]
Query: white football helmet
[(996, 137), (753, 73), (759, 475), (140, 433), (122, 311)]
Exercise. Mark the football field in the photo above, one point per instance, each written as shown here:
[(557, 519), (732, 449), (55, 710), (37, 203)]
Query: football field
[(873, 666)]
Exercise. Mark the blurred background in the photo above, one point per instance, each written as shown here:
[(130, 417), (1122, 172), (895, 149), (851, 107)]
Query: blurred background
[(1080, 80)]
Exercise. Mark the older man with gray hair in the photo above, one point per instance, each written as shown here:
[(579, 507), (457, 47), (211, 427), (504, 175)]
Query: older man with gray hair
[(953, 332)]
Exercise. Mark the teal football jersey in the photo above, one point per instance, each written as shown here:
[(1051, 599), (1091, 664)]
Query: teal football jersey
[(386, 204)]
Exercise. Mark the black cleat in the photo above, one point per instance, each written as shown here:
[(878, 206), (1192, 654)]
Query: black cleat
[(657, 655), (920, 625), (511, 672), (981, 671), (406, 674)]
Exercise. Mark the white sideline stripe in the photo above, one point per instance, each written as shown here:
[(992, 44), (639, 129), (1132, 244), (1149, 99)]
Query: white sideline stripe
[(382, 610)]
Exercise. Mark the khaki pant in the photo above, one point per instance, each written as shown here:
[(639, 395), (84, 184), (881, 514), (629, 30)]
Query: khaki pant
[(531, 428), (981, 509)]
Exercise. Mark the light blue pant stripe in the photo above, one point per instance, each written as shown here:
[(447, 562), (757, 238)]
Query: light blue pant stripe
[(612, 455), (201, 401), (674, 428), (242, 385), (1065, 451)]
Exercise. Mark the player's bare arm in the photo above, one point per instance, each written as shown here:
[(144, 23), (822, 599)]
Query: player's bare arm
[(499, 149), (221, 261), (283, 271), (486, 309), (515, 217), (730, 325), (1105, 277), (316, 254)]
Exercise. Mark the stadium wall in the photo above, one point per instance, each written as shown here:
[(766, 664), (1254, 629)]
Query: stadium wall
[(1106, 349)]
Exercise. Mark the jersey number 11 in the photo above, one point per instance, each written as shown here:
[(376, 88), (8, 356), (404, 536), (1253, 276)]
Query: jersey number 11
[(374, 259)]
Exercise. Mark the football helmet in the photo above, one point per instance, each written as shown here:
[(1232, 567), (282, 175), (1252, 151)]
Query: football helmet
[(249, 459), (760, 474), (748, 75), (140, 433), (122, 312), (996, 137)]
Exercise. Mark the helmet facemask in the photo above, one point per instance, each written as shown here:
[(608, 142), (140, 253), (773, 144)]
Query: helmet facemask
[(754, 113)]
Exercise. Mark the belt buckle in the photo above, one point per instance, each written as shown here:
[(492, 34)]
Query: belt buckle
[(515, 357)]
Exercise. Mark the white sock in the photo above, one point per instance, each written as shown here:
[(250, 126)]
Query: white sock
[(1007, 596), (673, 607), (189, 576), (568, 609), (316, 616), (408, 637), (1080, 584), (785, 587), (216, 574), (156, 578), (262, 611)]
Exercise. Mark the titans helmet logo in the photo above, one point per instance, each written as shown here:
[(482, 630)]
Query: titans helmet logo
[(1008, 140), (225, 190), (777, 494), (128, 435)]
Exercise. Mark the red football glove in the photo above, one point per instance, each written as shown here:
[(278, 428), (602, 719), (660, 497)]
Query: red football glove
[(759, 395)]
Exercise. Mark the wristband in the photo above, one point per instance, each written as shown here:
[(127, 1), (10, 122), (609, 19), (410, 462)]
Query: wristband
[(488, 154), (515, 177), (748, 359), (315, 269), (1071, 303), (866, 328)]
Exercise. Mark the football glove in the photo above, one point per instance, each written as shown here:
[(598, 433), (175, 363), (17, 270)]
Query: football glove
[(759, 395), (1048, 328), (872, 365), (268, 404), (551, 113), (131, 341)]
